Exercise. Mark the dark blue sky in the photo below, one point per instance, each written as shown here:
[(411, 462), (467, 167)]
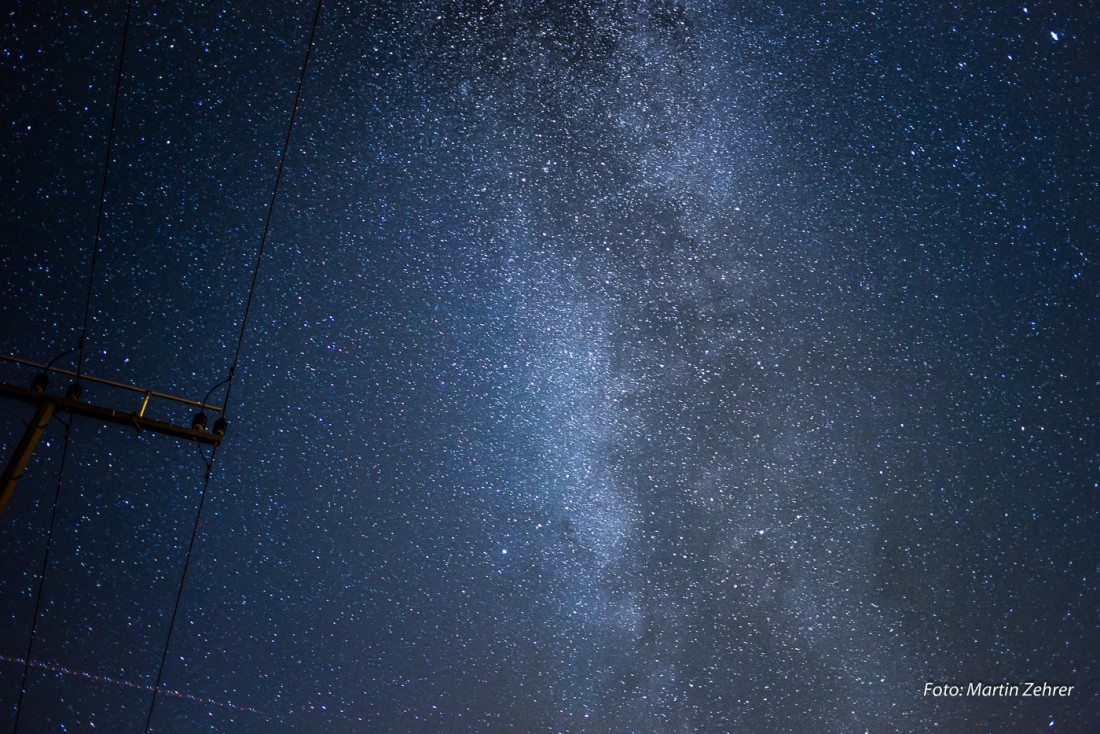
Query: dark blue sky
[(613, 367)]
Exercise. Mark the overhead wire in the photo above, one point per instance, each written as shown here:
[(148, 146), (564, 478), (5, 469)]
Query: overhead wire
[(179, 590), (271, 208), (42, 580), (28, 658), (233, 368), (103, 190)]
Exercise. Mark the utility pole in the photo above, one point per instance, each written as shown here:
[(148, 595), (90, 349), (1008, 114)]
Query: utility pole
[(47, 405)]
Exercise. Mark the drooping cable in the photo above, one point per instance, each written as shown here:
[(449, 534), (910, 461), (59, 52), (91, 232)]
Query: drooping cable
[(103, 190), (53, 361), (42, 579), (233, 367), (210, 392)]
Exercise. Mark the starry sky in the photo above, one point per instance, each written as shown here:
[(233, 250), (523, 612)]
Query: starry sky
[(614, 366)]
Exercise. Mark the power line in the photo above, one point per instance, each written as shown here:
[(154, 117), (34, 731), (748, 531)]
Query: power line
[(103, 189), (233, 368), (42, 578), (79, 366), (179, 591), (271, 206)]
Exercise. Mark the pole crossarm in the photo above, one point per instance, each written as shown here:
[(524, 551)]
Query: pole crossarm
[(110, 415), (47, 405)]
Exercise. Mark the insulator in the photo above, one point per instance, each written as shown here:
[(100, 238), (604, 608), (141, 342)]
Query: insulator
[(41, 380), (198, 423), (74, 391), (219, 426)]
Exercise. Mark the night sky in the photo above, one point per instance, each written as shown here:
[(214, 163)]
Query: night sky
[(613, 366)]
